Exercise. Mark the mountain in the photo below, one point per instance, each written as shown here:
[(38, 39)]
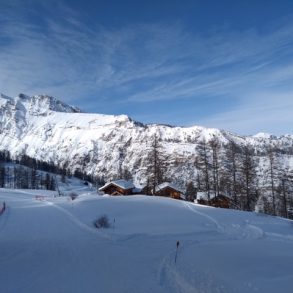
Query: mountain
[(47, 129)]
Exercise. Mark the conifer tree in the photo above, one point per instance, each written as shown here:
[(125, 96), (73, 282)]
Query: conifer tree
[(248, 173), (203, 164), (191, 191), (157, 164), (215, 149), (271, 175), (231, 177)]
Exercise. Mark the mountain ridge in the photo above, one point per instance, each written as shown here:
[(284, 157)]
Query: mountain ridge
[(100, 145), (55, 105)]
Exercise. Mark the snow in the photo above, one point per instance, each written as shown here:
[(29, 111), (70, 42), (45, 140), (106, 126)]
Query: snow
[(263, 135), (52, 246), (102, 145), (204, 195), (167, 184)]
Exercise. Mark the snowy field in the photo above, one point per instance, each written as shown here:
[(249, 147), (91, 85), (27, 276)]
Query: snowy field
[(50, 245)]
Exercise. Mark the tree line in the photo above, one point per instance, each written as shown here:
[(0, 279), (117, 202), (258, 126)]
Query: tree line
[(26, 172), (21, 174), (252, 182)]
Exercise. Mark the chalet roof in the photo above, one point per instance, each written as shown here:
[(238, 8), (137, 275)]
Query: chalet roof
[(124, 184), (221, 197), (167, 184), (204, 195)]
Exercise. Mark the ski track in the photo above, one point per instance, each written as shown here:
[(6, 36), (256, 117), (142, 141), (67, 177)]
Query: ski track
[(247, 231), (80, 224), (253, 232), (280, 237), (219, 227), (168, 274), (170, 278)]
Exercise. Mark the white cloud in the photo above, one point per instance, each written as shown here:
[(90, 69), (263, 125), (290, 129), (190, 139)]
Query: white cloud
[(148, 63), (267, 112)]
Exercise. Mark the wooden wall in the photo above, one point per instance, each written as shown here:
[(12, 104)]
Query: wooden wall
[(169, 192)]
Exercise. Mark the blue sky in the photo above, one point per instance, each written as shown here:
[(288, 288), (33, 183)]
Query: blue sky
[(223, 64)]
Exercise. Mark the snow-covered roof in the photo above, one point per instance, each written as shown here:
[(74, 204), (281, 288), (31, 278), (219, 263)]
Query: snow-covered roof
[(167, 184), (204, 195), (136, 190), (124, 184)]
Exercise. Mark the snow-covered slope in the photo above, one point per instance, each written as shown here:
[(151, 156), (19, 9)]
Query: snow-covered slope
[(51, 245), (47, 129)]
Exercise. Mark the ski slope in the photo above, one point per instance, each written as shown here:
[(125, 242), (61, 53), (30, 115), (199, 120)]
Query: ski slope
[(50, 245)]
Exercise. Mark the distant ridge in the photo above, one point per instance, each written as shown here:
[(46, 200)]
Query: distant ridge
[(47, 129)]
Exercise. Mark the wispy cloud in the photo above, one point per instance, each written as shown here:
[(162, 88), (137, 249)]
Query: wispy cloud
[(146, 63), (265, 112)]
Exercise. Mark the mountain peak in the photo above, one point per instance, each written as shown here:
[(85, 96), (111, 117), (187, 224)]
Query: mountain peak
[(49, 103), (263, 135), (23, 96), (37, 104)]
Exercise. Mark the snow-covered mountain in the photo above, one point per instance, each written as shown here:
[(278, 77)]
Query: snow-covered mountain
[(47, 129)]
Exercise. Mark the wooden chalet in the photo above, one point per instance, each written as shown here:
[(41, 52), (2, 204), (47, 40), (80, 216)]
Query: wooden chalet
[(118, 187), (168, 190), (220, 201)]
